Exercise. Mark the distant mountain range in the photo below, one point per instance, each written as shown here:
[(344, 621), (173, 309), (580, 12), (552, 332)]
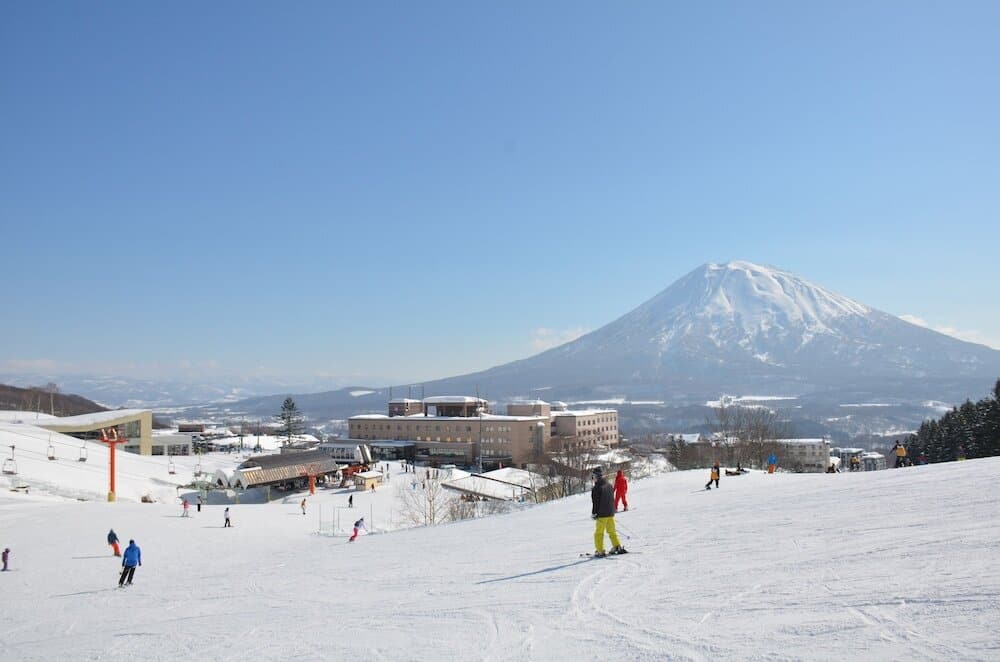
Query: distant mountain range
[(833, 364)]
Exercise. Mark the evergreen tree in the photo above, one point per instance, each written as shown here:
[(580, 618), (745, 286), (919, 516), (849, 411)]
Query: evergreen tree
[(291, 419), (972, 430)]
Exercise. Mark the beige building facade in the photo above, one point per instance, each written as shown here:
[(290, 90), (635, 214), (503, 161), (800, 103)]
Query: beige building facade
[(462, 429)]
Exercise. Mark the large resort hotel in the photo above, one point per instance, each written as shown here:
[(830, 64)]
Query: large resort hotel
[(463, 430)]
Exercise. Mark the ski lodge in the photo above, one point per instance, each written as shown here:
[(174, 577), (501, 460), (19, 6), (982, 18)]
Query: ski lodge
[(284, 469)]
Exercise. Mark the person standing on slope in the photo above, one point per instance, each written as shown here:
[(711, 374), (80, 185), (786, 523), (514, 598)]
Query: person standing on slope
[(5, 557), (621, 488), (772, 463), (900, 451), (603, 512), (132, 558), (226, 515), (185, 505), (713, 476), (303, 504), (113, 541), (358, 527)]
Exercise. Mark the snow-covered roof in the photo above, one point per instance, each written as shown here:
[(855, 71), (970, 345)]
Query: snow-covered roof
[(452, 399), (517, 476), (803, 441), (24, 416), (583, 412), (369, 474), (529, 402), (485, 417), (95, 418), (400, 401), (486, 486)]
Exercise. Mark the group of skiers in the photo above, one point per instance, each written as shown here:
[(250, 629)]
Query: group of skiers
[(185, 505)]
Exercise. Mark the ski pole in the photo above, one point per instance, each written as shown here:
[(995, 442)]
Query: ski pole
[(625, 530)]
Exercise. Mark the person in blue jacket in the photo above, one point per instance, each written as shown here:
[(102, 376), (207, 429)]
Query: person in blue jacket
[(131, 558), (772, 463)]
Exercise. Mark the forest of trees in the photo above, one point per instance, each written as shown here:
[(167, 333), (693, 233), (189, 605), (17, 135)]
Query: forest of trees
[(969, 431)]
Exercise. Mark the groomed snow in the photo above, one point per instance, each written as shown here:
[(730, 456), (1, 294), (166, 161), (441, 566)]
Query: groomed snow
[(780, 567)]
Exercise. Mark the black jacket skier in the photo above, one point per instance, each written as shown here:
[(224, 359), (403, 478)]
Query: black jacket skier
[(603, 497)]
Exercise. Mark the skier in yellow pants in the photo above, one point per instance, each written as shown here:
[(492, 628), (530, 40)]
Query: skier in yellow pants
[(603, 512)]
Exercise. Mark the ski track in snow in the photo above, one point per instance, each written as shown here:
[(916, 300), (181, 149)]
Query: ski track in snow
[(892, 565)]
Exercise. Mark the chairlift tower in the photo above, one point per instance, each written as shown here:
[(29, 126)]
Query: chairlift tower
[(112, 440)]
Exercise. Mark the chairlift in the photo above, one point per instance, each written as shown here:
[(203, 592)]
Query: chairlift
[(83, 453), (171, 469), (51, 449), (9, 465)]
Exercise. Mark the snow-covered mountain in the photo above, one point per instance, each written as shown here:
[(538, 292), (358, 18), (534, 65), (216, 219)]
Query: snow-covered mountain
[(735, 328), (727, 327)]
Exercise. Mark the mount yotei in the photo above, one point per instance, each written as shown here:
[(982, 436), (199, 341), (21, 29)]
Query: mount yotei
[(736, 328)]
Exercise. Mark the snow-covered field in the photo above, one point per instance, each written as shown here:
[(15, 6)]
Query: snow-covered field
[(891, 565)]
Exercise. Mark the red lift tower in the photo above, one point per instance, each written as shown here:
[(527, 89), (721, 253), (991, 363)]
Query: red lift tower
[(110, 437), (311, 472)]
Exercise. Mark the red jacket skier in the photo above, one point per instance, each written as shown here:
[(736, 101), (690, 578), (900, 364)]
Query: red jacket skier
[(621, 488)]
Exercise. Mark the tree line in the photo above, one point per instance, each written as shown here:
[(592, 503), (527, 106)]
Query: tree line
[(967, 431)]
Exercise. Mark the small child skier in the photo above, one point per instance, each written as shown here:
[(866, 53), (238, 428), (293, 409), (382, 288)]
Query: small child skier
[(358, 527), (185, 505), (113, 541)]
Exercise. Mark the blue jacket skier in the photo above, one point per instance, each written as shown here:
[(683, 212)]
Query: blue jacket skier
[(131, 558)]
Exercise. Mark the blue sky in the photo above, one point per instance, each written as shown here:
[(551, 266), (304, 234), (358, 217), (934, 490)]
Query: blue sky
[(419, 190)]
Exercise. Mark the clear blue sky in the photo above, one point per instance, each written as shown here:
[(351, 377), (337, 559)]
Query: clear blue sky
[(416, 190)]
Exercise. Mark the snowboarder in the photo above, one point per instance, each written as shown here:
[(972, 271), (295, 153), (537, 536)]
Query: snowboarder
[(185, 505), (358, 526), (200, 501), (350, 501), (303, 504), (113, 541), (772, 463), (603, 512), (226, 514), (621, 488), (713, 476), (132, 558), (5, 556)]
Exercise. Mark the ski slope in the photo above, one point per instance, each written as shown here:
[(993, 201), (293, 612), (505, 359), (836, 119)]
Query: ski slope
[(891, 565)]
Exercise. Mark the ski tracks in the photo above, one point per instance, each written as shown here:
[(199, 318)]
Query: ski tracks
[(598, 610)]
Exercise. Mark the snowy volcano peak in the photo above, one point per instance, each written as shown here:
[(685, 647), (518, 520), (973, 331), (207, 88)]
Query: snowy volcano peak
[(739, 301), (758, 297)]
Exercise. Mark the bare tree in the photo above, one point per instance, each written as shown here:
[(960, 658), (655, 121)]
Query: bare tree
[(52, 388), (749, 434), (425, 503)]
